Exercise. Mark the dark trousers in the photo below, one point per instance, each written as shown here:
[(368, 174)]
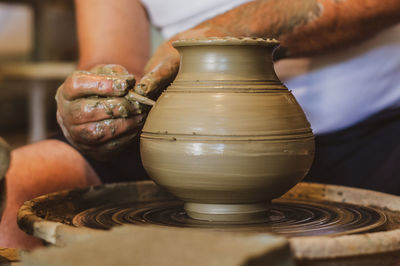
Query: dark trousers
[(366, 155)]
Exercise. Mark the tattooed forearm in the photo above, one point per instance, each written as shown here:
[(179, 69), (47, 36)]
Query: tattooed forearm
[(305, 27)]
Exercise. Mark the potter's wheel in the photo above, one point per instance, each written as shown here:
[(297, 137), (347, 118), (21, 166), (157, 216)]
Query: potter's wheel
[(286, 217), (324, 223)]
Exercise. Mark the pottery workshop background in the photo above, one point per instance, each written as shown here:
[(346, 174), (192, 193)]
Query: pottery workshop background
[(38, 50)]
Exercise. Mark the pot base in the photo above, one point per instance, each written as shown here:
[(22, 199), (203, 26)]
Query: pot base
[(227, 212)]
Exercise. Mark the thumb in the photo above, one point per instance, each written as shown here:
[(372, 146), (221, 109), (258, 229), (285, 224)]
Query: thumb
[(159, 73), (154, 82)]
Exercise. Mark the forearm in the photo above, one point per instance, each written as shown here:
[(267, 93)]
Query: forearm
[(114, 32), (304, 27)]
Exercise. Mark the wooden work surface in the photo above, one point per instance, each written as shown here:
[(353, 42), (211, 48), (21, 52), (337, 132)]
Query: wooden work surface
[(37, 71)]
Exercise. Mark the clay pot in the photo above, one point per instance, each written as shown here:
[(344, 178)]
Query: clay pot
[(227, 136)]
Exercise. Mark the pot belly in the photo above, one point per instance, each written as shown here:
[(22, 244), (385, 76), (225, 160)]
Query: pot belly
[(225, 170)]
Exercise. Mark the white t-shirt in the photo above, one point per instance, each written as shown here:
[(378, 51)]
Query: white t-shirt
[(338, 90)]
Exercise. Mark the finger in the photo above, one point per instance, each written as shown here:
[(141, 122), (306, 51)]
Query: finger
[(83, 84), (102, 131), (135, 97), (64, 129), (159, 77), (100, 150), (110, 69), (87, 110), (109, 147)]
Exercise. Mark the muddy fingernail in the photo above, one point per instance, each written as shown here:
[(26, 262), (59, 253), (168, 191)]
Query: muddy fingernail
[(120, 85)]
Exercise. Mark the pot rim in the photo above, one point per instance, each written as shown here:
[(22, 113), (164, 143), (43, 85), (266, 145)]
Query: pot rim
[(271, 42)]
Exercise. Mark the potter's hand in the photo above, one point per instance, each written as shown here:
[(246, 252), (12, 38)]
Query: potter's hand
[(160, 71), (94, 112), (163, 66)]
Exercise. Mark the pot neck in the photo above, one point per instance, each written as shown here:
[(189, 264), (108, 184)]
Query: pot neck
[(226, 63)]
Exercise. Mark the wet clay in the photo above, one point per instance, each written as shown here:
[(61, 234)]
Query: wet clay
[(227, 136), (150, 245), (288, 218)]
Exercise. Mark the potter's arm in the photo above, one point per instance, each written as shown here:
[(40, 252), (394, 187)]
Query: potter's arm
[(114, 32), (304, 27)]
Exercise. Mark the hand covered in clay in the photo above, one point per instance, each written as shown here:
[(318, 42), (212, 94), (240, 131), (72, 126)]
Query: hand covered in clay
[(96, 111)]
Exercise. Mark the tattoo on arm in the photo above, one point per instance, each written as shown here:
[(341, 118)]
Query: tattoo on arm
[(306, 27)]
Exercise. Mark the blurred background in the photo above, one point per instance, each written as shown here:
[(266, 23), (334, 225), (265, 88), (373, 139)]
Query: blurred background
[(38, 50)]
